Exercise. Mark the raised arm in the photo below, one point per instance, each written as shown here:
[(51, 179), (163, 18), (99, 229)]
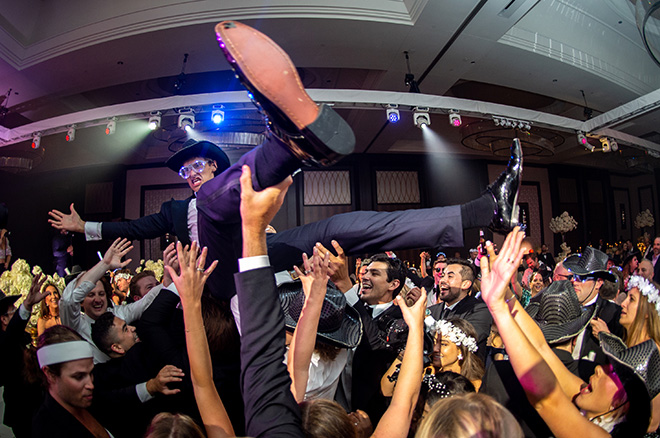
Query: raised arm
[(70, 222), (535, 375), (315, 282), (395, 422), (190, 285)]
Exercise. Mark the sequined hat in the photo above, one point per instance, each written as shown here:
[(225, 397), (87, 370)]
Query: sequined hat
[(591, 262), (340, 324), (637, 364), (558, 312)]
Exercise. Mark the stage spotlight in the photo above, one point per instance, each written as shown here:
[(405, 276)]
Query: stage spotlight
[(605, 142), (154, 120), (455, 119), (187, 121), (218, 116), (36, 140), (614, 145), (527, 126), (71, 133), (393, 115), (582, 139), (421, 117), (590, 147), (111, 127)]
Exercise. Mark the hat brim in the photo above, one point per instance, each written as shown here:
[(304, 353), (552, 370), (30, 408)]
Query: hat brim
[(8, 301), (571, 263), (204, 149), (348, 335), (559, 333), (613, 347)]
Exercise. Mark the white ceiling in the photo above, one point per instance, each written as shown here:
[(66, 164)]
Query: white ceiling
[(63, 58)]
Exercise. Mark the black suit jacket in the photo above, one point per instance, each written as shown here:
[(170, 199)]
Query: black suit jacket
[(172, 218), (610, 313), (371, 360), (473, 310), (53, 421), (270, 408)]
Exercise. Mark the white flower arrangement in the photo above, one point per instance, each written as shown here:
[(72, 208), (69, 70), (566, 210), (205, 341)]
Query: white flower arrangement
[(645, 288), (563, 223), (644, 219), (157, 267), (565, 251), (455, 335)]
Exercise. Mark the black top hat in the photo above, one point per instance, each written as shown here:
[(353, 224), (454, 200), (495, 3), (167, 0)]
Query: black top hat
[(591, 262), (558, 312), (339, 325), (637, 364), (75, 272), (192, 149), (6, 301)]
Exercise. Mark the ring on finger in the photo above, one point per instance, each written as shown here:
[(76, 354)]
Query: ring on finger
[(200, 269)]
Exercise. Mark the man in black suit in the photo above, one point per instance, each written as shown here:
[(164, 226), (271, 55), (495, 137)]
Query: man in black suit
[(654, 256), (588, 270), (454, 288)]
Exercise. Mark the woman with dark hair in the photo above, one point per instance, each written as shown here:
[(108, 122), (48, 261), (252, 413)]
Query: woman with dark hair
[(617, 399), (50, 309), (66, 362)]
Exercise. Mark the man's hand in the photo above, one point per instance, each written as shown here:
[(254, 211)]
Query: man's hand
[(116, 252), (35, 295), (338, 266), (315, 278), (413, 296), (168, 374), (597, 326), (259, 208), (190, 283), (69, 222), (415, 314)]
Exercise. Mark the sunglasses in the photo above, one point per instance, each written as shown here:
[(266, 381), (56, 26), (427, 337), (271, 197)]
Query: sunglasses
[(198, 166), (438, 269), (582, 278)]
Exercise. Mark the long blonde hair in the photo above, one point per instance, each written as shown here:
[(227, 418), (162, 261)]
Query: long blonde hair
[(645, 323)]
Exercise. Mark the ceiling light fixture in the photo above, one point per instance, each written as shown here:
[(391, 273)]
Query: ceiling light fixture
[(71, 133), (154, 120), (582, 139), (217, 116), (614, 145), (393, 115), (111, 127), (605, 142), (455, 118), (421, 117), (187, 120), (36, 140)]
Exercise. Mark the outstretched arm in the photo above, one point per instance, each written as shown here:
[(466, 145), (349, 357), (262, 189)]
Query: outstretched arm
[(536, 377), (190, 285), (69, 222), (396, 420), (314, 282)]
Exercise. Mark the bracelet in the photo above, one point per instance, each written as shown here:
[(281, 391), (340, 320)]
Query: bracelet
[(510, 298)]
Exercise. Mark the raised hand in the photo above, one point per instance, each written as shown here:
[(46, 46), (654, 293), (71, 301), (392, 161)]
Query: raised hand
[(495, 278), (35, 294), (69, 222), (168, 374), (338, 270), (315, 277), (170, 257), (415, 314), (597, 326), (116, 252), (190, 283), (259, 208)]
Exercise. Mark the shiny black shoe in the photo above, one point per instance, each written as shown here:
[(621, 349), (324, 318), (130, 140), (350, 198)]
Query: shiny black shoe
[(505, 193), (314, 134)]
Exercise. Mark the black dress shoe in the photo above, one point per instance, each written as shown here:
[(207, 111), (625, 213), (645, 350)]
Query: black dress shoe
[(505, 192), (315, 134)]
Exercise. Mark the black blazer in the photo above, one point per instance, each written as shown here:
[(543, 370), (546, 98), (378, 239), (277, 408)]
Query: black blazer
[(53, 421), (610, 313), (172, 218), (270, 409), (473, 310), (656, 268)]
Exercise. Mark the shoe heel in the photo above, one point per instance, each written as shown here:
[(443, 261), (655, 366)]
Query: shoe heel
[(329, 134)]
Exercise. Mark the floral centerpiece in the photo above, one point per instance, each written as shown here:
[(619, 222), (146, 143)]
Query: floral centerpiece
[(563, 224), (157, 267), (644, 219)]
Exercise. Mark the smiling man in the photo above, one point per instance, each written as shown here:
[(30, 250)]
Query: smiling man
[(456, 302)]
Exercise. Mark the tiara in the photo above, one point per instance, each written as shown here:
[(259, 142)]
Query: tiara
[(646, 288), (455, 335)]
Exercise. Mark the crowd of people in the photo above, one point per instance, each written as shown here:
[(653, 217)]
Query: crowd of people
[(229, 342)]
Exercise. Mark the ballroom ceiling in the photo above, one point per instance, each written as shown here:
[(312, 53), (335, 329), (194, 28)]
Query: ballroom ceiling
[(81, 62)]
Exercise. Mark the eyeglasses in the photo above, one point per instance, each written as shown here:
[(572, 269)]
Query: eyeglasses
[(438, 269), (198, 166), (582, 278)]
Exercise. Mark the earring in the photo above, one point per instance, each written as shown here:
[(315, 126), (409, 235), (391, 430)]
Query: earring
[(460, 356)]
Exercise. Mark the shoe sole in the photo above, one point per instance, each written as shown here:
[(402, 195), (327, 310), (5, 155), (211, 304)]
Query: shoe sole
[(253, 56)]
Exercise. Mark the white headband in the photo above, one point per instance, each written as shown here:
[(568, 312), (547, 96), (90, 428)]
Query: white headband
[(645, 288), (64, 352), (455, 335), (123, 275)]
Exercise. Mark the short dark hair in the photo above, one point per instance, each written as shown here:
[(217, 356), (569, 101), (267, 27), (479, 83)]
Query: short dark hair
[(467, 269), (133, 288), (395, 270), (102, 334)]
